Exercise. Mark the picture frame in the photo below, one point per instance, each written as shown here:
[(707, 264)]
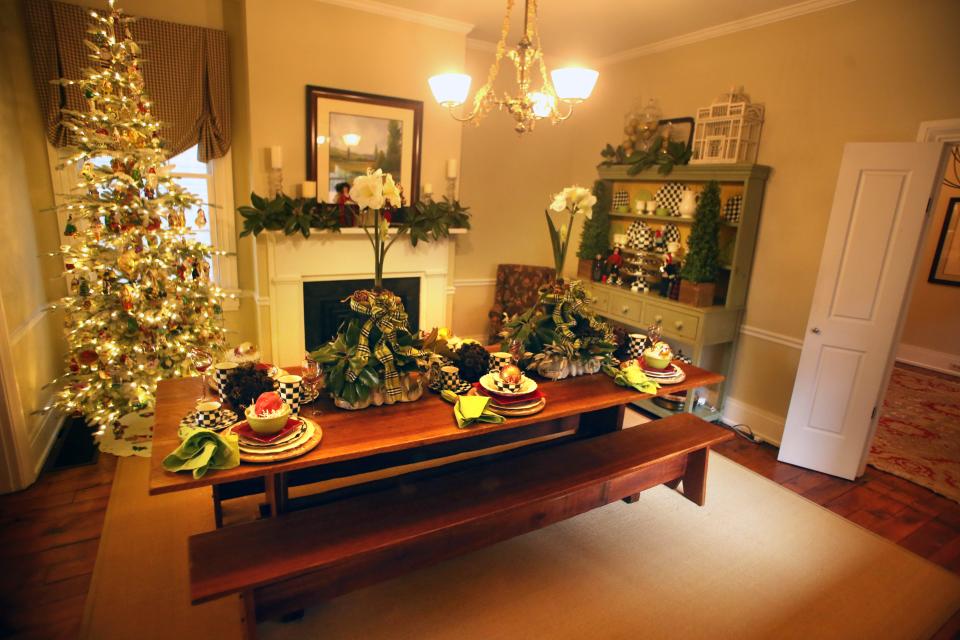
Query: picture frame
[(682, 129), (946, 259), (350, 131)]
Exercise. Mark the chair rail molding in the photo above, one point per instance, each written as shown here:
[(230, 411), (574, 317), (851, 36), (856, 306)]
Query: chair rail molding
[(771, 336)]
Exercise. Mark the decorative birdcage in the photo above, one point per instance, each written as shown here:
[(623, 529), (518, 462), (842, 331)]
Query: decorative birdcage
[(728, 131)]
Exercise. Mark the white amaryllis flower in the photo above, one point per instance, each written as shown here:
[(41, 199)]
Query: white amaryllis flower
[(367, 191), (391, 191), (575, 200)]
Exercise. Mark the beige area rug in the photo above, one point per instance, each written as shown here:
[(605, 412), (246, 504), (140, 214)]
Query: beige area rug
[(139, 587), (757, 562)]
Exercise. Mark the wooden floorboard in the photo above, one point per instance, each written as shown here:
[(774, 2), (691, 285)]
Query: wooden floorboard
[(49, 533)]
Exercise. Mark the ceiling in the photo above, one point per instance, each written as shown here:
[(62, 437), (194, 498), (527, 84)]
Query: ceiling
[(593, 30)]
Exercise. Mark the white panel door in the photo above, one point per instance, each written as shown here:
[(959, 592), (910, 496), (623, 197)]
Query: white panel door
[(876, 223)]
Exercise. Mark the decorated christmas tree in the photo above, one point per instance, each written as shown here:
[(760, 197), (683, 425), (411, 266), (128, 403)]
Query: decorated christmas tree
[(140, 297)]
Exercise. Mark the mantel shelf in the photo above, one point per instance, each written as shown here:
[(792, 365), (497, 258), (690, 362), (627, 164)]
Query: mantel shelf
[(688, 173), (348, 231)]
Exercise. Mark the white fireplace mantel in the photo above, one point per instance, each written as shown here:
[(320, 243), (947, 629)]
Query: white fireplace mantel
[(293, 260)]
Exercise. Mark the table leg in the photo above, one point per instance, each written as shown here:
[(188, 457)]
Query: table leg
[(217, 507), (594, 423), (275, 491), (249, 615)]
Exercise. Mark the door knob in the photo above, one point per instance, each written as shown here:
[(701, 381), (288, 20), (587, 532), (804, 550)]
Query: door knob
[(815, 330)]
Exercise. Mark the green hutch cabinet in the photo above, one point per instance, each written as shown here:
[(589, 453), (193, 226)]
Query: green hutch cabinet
[(707, 334)]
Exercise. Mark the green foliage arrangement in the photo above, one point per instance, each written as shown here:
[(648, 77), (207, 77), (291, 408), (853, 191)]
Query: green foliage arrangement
[(595, 238), (561, 323), (664, 158), (373, 350), (703, 258), (425, 220)]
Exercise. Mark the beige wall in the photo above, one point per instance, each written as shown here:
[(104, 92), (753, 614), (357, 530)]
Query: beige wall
[(871, 70), (934, 318)]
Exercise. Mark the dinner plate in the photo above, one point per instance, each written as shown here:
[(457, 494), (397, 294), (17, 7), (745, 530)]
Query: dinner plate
[(311, 438), (516, 413), (528, 385), (301, 436), (246, 432)]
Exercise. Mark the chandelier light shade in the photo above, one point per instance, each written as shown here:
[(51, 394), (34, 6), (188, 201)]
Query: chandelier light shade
[(450, 89), (574, 84), (537, 96)]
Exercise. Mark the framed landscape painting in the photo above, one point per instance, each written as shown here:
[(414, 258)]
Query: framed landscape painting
[(946, 260), (349, 132)]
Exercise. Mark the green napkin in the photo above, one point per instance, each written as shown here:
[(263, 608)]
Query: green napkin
[(202, 450), (471, 409), (632, 376)]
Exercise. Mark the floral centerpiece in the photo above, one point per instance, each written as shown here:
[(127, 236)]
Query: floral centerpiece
[(560, 335), (374, 359)]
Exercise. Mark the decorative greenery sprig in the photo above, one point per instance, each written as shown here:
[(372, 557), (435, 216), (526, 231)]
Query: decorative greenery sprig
[(426, 220), (665, 158)]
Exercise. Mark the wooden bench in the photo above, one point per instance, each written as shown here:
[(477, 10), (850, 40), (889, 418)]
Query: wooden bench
[(285, 563)]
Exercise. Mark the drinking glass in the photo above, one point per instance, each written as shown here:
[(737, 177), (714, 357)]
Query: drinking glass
[(201, 360), (312, 376)]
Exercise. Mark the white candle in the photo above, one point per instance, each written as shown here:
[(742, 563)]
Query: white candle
[(427, 188), (276, 157), (452, 168), (308, 189)]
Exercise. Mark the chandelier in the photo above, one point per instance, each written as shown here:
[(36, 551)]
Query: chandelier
[(568, 86)]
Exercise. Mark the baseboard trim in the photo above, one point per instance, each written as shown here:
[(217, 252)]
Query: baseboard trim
[(44, 438), (939, 361), (765, 425)]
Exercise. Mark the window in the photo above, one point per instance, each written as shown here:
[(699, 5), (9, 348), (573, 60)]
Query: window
[(212, 183)]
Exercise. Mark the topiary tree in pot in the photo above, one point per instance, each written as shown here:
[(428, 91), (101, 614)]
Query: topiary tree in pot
[(595, 239), (700, 269)]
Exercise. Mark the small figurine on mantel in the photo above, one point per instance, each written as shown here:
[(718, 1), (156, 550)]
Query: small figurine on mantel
[(346, 204), (670, 282)]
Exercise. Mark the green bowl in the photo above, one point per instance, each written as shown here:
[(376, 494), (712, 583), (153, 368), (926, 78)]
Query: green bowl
[(654, 362), (267, 426)]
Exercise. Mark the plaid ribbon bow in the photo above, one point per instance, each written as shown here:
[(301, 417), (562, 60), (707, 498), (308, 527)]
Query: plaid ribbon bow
[(569, 302), (385, 312)]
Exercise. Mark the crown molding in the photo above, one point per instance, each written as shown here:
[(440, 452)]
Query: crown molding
[(481, 45), (727, 28), (400, 13)]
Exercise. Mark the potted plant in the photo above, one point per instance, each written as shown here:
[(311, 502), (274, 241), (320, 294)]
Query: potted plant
[(374, 359), (702, 265), (595, 239)]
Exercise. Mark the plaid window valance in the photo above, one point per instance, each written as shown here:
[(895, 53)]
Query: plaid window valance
[(185, 68)]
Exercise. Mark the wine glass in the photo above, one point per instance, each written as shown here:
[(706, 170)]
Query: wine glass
[(201, 359), (311, 375)]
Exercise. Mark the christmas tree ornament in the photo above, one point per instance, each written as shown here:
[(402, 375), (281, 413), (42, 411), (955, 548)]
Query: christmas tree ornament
[(70, 229)]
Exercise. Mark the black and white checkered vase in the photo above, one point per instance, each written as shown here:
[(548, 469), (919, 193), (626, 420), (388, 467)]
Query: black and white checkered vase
[(636, 343), (290, 393), (732, 209), (671, 233), (639, 235), (621, 199), (669, 197), (503, 385)]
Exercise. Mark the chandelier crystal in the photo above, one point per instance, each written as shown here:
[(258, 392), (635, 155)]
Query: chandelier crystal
[(537, 96)]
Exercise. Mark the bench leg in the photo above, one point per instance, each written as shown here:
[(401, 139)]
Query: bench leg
[(695, 477), (673, 484), (632, 499), (249, 616)]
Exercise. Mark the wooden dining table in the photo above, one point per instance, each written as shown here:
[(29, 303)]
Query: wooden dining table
[(391, 436)]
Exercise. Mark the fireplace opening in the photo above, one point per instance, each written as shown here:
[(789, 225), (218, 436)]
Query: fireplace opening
[(323, 311)]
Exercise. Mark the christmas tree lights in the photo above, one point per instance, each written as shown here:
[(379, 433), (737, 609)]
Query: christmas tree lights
[(140, 292)]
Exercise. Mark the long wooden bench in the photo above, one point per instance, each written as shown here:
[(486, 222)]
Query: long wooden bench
[(285, 563)]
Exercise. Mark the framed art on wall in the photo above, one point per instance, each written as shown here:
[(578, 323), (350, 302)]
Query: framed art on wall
[(349, 132), (946, 259)]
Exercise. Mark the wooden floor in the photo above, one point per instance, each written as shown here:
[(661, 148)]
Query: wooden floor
[(49, 532)]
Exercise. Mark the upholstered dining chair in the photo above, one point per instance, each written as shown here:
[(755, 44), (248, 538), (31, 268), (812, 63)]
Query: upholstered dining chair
[(516, 291)]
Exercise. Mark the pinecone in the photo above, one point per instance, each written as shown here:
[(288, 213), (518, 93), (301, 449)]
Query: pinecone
[(474, 361)]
